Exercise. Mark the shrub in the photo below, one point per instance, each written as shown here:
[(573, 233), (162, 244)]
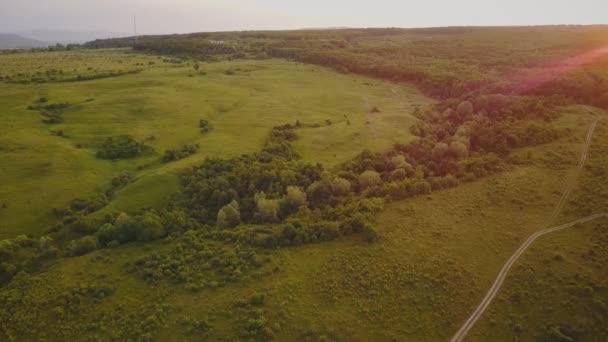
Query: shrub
[(120, 147), (181, 153), (267, 209), (369, 178), (398, 175), (458, 150), (293, 200), (204, 126), (123, 179), (126, 228), (340, 186), (229, 216), (150, 228), (82, 246)]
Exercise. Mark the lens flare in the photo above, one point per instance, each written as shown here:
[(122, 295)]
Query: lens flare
[(531, 79)]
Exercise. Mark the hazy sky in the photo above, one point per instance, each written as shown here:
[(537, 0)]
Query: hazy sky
[(167, 16)]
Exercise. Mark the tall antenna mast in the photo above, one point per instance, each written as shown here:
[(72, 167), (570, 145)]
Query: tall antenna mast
[(135, 26)]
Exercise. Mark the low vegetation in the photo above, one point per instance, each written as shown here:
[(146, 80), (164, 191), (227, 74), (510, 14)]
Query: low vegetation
[(120, 147)]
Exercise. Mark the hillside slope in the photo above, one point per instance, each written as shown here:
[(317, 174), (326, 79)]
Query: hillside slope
[(13, 41)]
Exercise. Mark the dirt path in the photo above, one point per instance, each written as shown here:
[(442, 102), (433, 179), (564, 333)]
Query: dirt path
[(462, 333)]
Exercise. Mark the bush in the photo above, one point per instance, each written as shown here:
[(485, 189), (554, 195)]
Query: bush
[(340, 186), (267, 209), (120, 147), (82, 246), (150, 228), (369, 178), (204, 126), (229, 216), (181, 153), (123, 179), (293, 200)]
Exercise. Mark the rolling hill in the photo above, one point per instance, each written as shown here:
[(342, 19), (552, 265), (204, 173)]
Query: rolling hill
[(13, 41)]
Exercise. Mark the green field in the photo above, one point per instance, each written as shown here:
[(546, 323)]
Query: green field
[(436, 256), (165, 103)]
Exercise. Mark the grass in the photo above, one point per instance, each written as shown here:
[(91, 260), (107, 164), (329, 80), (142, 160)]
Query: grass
[(163, 106), (437, 256)]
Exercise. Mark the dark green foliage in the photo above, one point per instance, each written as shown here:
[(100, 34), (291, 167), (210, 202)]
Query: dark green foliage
[(199, 263), (177, 46), (278, 145), (181, 153), (216, 183), (90, 205), (120, 147), (82, 246), (148, 226)]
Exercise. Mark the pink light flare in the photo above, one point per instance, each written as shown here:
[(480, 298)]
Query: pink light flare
[(524, 82)]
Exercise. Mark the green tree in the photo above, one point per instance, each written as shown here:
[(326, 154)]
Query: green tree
[(340, 186), (229, 216), (295, 197), (369, 178), (150, 228), (267, 209), (82, 246)]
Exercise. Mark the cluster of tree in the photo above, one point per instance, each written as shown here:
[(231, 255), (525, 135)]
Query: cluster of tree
[(118, 229), (181, 153), (184, 45), (51, 113), (279, 144), (23, 252), (464, 139), (121, 147), (588, 85)]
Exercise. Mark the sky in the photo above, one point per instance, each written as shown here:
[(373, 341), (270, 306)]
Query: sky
[(181, 16)]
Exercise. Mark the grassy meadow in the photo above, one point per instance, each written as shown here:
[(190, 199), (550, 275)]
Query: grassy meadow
[(162, 105), (436, 257)]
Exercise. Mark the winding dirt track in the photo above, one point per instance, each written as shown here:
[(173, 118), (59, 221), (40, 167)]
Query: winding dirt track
[(462, 333)]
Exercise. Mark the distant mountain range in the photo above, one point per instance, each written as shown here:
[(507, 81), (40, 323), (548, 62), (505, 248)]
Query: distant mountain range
[(13, 41), (44, 38)]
